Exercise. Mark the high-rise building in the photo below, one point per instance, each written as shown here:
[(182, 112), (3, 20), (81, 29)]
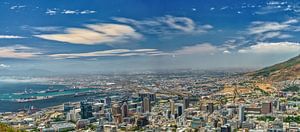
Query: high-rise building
[(146, 105), (72, 115), (107, 101), (142, 121), (186, 102), (68, 107), (124, 110), (266, 108), (116, 109), (172, 107), (86, 110), (150, 96), (241, 113), (179, 109), (226, 128), (210, 107)]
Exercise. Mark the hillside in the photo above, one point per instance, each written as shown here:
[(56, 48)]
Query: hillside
[(288, 70), (7, 128)]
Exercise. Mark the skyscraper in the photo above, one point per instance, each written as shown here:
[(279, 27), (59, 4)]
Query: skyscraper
[(186, 102), (266, 108), (107, 101), (179, 109), (172, 107), (241, 113), (150, 96), (210, 107), (116, 109), (86, 110), (146, 105), (124, 110)]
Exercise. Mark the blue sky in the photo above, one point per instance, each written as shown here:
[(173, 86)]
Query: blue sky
[(117, 35)]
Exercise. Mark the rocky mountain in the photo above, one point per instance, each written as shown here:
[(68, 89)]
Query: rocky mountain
[(288, 70)]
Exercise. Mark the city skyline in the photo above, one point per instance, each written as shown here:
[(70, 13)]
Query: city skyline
[(94, 36)]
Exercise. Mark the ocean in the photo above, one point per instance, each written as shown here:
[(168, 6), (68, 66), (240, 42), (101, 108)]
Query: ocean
[(9, 88)]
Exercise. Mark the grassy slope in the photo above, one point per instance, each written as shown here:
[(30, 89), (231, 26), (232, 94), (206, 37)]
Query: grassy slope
[(285, 70)]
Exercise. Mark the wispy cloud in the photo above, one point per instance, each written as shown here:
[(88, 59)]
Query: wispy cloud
[(78, 12), (95, 34), (10, 37), (51, 11), (47, 29), (272, 48), (277, 6), (268, 30), (167, 24), (17, 7), (109, 53), (18, 52), (55, 11), (205, 48)]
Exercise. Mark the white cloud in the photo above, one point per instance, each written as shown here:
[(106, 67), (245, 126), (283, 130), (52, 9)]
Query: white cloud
[(54, 11), (269, 30), (10, 37), (262, 27), (113, 52), (87, 12), (47, 29), (204, 48), (269, 35), (4, 66), (51, 11), (167, 24), (226, 52), (17, 7), (69, 12), (180, 23), (272, 48), (78, 12), (18, 52), (95, 34)]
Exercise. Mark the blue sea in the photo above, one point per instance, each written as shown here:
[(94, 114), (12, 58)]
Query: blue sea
[(9, 88)]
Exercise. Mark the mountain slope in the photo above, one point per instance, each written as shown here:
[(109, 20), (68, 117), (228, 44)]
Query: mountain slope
[(288, 70)]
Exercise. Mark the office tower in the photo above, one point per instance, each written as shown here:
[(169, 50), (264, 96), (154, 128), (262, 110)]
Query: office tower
[(146, 105), (179, 109), (241, 114), (226, 128), (210, 107), (172, 107), (142, 121), (86, 110), (124, 109), (266, 108), (68, 107), (107, 101), (186, 102), (97, 107), (150, 96), (72, 115), (100, 128), (116, 109)]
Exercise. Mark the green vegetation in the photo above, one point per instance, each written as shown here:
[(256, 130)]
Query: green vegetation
[(292, 88), (266, 118), (7, 128), (284, 65), (262, 91), (292, 119)]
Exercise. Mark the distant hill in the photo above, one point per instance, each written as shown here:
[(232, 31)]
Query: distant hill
[(28, 72), (288, 70)]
